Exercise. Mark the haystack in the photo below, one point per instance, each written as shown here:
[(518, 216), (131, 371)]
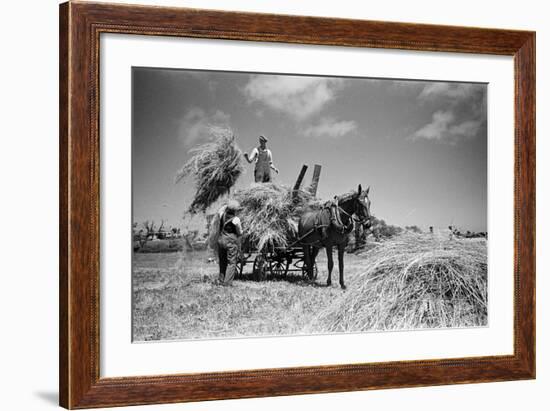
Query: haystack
[(214, 167), (270, 213), (414, 281)]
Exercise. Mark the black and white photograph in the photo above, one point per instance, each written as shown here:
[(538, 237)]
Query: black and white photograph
[(275, 205), (279, 204)]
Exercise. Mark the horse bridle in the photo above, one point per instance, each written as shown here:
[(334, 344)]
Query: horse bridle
[(351, 216)]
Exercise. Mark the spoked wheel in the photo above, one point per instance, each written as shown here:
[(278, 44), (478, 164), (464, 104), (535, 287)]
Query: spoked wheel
[(259, 269), (279, 268), (305, 273), (242, 259), (240, 266)]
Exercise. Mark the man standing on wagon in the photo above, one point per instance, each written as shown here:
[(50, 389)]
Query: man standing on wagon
[(264, 162)]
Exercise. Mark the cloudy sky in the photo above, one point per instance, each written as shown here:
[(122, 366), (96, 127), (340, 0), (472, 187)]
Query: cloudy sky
[(421, 146)]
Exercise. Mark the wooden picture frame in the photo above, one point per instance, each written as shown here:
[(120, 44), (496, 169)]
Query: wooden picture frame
[(80, 27)]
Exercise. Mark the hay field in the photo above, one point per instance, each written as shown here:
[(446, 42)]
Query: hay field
[(411, 281)]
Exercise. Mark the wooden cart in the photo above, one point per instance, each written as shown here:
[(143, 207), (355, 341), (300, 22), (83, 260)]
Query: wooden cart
[(275, 262), (280, 261)]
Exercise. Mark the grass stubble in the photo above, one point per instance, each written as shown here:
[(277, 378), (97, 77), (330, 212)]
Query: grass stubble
[(412, 281)]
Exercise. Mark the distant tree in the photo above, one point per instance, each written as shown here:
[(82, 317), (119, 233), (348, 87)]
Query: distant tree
[(382, 230), (414, 229), (149, 228), (161, 234)]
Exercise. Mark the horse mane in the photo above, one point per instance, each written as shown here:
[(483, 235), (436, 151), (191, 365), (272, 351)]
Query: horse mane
[(346, 196)]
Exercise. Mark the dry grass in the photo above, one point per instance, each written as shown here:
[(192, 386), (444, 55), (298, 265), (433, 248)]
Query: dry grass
[(270, 213), (214, 167), (177, 299), (414, 281), (410, 282)]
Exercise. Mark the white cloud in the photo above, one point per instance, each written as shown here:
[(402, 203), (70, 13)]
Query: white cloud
[(467, 129), (461, 111), (443, 127), (197, 125), (299, 97), (435, 129), (457, 91), (329, 127)]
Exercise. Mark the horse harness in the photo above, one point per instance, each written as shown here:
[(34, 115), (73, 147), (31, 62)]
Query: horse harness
[(335, 219)]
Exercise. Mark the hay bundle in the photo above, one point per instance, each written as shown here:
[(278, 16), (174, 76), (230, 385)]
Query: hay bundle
[(270, 214), (215, 168), (414, 281)]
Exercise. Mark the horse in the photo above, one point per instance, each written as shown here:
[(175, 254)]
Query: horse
[(329, 227)]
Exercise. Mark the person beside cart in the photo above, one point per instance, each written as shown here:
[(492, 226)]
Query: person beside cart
[(229, 242)]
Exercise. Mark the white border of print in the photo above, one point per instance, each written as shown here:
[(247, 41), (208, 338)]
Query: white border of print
[(121, 357)]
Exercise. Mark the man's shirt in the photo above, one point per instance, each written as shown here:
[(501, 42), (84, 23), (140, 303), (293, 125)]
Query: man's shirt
[(263, 158)]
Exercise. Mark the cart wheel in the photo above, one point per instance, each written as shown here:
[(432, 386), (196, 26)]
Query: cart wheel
[(240, 266), (279, 268), (259, 268), (315, 271)]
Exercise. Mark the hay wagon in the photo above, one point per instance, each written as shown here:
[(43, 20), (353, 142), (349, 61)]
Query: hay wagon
[(275, 262)]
